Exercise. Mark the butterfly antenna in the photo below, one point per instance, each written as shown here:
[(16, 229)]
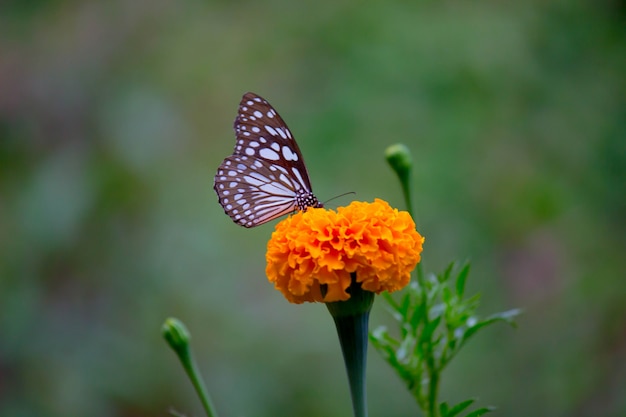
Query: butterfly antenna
[(340, 195)]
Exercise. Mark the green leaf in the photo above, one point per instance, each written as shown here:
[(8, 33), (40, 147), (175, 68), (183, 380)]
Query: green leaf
[(405, 303), (419, 316), (443, 409), (429, 329), (405, 350), (506, 316), (461, 279), (480, 411), (475, 328), (452, 344), (472, 302), (380, 335), (446, 295), (434, 321), (457, 409), (446, 274)]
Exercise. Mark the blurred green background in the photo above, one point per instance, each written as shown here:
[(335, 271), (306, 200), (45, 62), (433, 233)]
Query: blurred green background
[(114, 115)]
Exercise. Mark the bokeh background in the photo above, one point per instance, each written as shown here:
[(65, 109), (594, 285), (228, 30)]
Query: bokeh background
[(114, 115)]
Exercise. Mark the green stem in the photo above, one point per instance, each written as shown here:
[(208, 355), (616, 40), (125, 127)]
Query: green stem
[(406, 191), (399, 158), (194, 375), (433, 390), (354, 348), (351, 320), (177, 336)]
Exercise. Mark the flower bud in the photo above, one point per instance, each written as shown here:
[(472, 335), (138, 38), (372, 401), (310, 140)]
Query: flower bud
[(176, 334), (399, 157)]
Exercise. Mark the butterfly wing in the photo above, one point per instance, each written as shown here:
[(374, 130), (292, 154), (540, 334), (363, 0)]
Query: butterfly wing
[(265, 177)]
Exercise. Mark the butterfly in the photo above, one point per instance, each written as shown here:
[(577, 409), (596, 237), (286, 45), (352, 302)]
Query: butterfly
[(265, 177)]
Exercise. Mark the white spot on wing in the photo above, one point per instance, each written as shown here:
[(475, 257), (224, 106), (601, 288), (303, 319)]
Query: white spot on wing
[(281, 133), (284, 179), (269, 154), (277, 189), (271, 130), (296, 172), (289, 155), (252, 181)]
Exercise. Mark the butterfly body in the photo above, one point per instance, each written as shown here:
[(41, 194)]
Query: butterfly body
[(265, 177)]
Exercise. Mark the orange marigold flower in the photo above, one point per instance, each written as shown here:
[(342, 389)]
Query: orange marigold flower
[(324, 247)]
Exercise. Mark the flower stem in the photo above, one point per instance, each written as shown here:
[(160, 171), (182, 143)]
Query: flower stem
[(177, 336), (354, 347), (351, 320), (198, 383), (400, 160), (433, 390)]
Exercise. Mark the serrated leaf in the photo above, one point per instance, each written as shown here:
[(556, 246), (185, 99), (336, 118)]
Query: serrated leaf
[(480, 411), (461, 279)]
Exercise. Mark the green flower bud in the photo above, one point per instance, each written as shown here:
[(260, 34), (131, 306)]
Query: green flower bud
[(399, 157), (176, 334)]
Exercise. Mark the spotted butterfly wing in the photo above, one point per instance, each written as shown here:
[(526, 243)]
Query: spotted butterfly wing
[(265, 177)]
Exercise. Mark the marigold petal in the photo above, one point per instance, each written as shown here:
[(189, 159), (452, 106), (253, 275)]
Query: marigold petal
[(323, 247)]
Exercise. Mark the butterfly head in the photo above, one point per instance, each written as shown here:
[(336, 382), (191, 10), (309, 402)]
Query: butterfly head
[(306, 199)]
